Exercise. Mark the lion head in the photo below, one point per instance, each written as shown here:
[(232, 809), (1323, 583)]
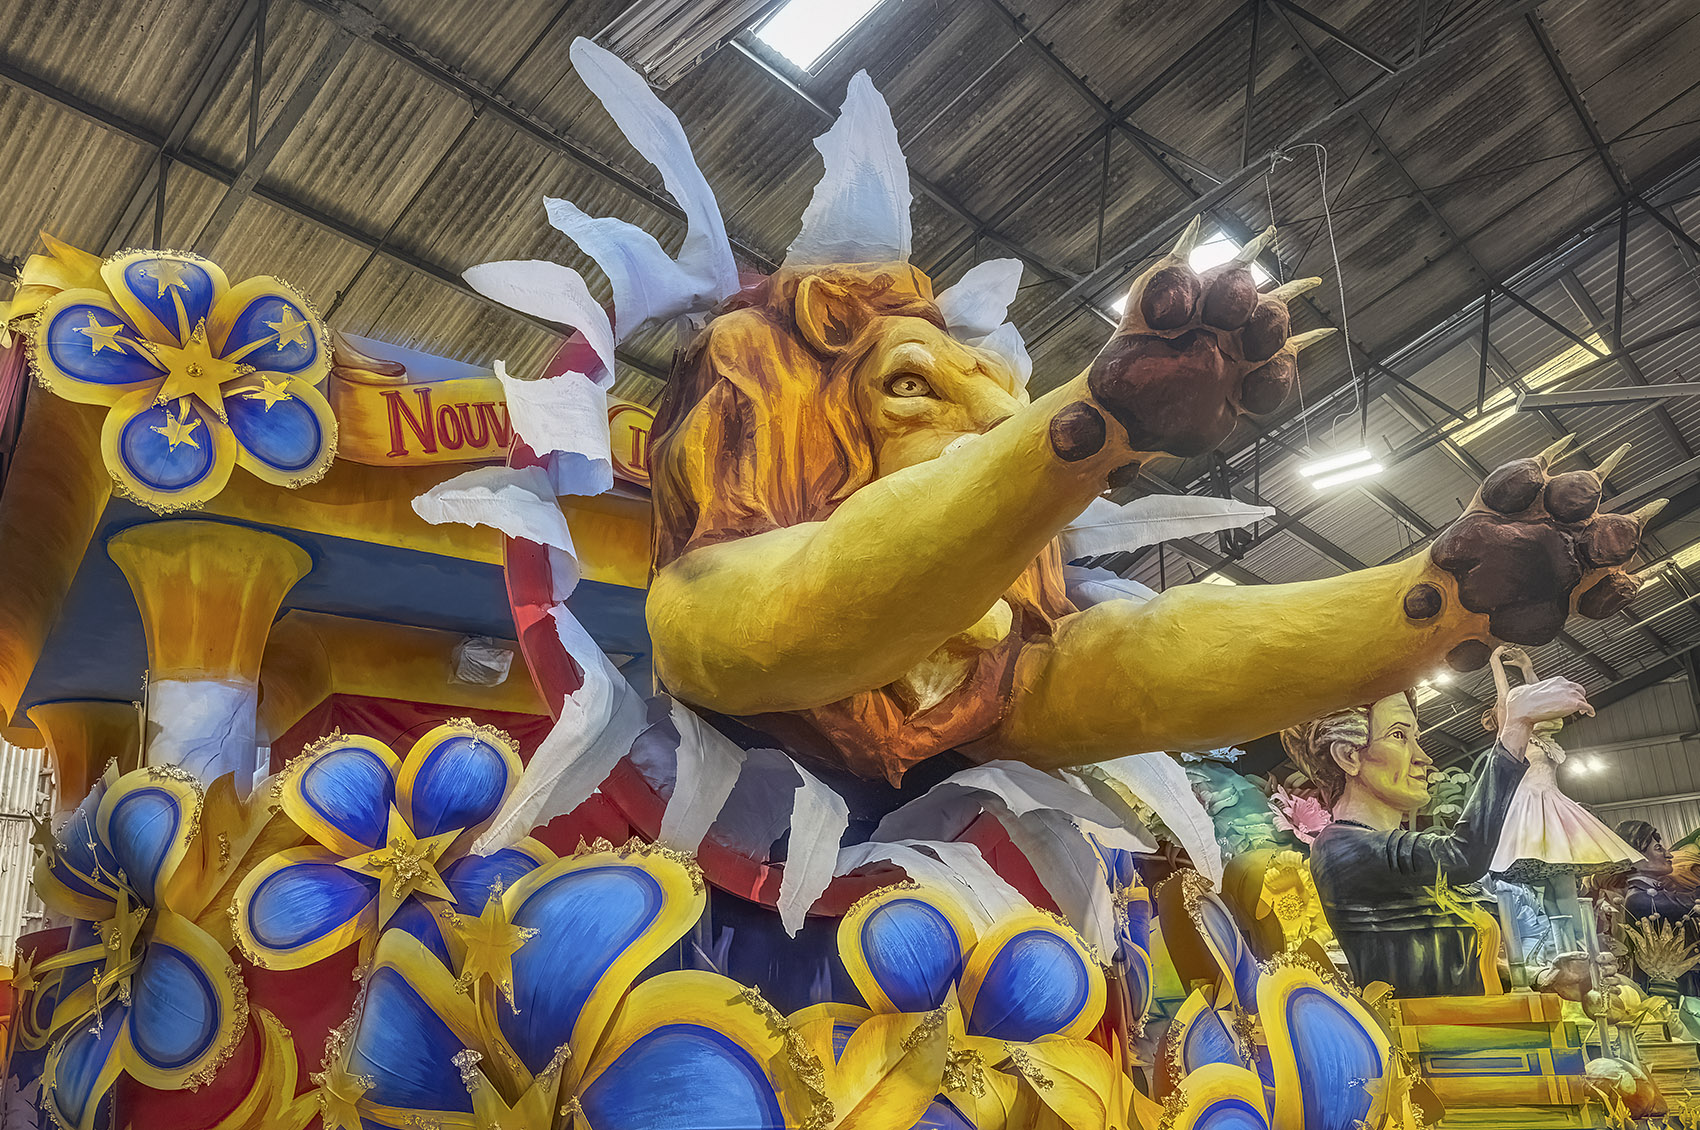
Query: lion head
[(803, 390), (806, 388)]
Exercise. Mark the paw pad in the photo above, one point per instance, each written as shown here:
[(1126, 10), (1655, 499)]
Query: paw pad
[(1196, 351), (1528, 543)]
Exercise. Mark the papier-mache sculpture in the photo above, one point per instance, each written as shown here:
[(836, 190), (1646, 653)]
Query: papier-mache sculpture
[(893, 824)]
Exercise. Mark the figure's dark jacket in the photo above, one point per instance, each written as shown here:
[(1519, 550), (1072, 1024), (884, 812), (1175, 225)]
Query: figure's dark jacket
[(1377, 890)]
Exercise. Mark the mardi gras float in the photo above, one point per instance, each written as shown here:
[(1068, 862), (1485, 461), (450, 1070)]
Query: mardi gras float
[(390, 838)]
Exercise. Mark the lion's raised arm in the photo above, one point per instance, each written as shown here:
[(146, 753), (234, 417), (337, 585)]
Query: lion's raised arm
[(855, 524)]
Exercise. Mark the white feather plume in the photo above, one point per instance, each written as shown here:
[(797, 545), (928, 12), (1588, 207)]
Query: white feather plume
[(859, 212)]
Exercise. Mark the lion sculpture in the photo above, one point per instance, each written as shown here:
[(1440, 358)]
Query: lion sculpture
[(857, 504)]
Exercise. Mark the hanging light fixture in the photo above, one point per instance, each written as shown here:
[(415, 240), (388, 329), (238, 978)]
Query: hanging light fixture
[(1342, 468)]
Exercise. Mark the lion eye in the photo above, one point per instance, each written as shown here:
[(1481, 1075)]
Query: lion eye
[(908, 384)]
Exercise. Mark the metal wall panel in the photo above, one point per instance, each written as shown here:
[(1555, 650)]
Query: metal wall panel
[(24, 792)]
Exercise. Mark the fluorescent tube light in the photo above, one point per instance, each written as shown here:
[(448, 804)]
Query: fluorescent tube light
[(1335, 462), (805, 30), (1348, 475)]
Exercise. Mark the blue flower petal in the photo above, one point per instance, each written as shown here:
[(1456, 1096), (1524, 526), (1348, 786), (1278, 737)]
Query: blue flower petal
[(1335, 1056), (406, 1049), (161, 284), (299, 906), (913, 953), (585, 920), (419, 920), (943, 1115), (286, 435), (176, 1015), (1036, 985), (455, 777), (472, 878), (144, 825), (267, 332), (80, 342), (683, 1077), (342, 795), (82, 1067)]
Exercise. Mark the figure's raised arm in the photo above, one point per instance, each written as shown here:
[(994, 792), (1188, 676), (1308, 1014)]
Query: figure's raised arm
[(843, 486)]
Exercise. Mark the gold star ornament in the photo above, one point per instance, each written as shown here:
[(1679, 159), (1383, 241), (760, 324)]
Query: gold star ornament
[(178, 429), (404, 866), (167, 273), (102, 337), (290, 328), (270, 391), (491, 941)]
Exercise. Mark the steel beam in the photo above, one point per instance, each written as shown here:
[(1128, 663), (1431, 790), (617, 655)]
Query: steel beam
[(214, 69), (1086, 290), (1589, 397), (294, 111)]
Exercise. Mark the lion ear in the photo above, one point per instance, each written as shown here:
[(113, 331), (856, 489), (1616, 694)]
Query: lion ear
[(828, 315)]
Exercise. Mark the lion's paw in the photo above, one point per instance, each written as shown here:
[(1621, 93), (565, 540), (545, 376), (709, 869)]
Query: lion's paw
[(1196, 350), (1531, 547)]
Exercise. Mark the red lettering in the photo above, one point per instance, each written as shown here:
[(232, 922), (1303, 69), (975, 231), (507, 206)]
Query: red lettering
[(467, 415), (497, 414), (447, 421), (422, 432)]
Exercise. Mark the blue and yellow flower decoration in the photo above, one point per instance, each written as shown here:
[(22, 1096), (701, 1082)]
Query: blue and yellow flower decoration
[(1018, 999), (199, 375), (143, 987), (391, 840), (574, 1043)]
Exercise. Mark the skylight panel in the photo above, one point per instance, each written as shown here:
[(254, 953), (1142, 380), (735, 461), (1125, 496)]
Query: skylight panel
[(1213, 252), (804, 31)]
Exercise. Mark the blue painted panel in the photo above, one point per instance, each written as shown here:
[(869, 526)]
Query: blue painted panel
[(351, 788), (174, 1017), (1335, 1058), (1035, 985), (147, 452), (460, 785), (584, 920), (252, 325), (297, 904), (196, 293), (414, 917), (683, 1077), (80, 351), (285, 434), (406, 1050), (97, 648), (143, 825), (913, 953)]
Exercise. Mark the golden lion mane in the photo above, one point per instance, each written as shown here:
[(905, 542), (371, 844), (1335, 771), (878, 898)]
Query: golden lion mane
[(758, 431)]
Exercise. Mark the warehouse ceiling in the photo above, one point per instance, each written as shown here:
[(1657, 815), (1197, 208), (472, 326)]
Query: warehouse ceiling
[(1419, 154)]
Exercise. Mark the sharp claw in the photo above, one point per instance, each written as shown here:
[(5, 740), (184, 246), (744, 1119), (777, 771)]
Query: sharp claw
[(1188, 240), (1250, 252), (1650, 511), (1288, 291), (1309, 338), (1609, 464), (1552, 454)]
